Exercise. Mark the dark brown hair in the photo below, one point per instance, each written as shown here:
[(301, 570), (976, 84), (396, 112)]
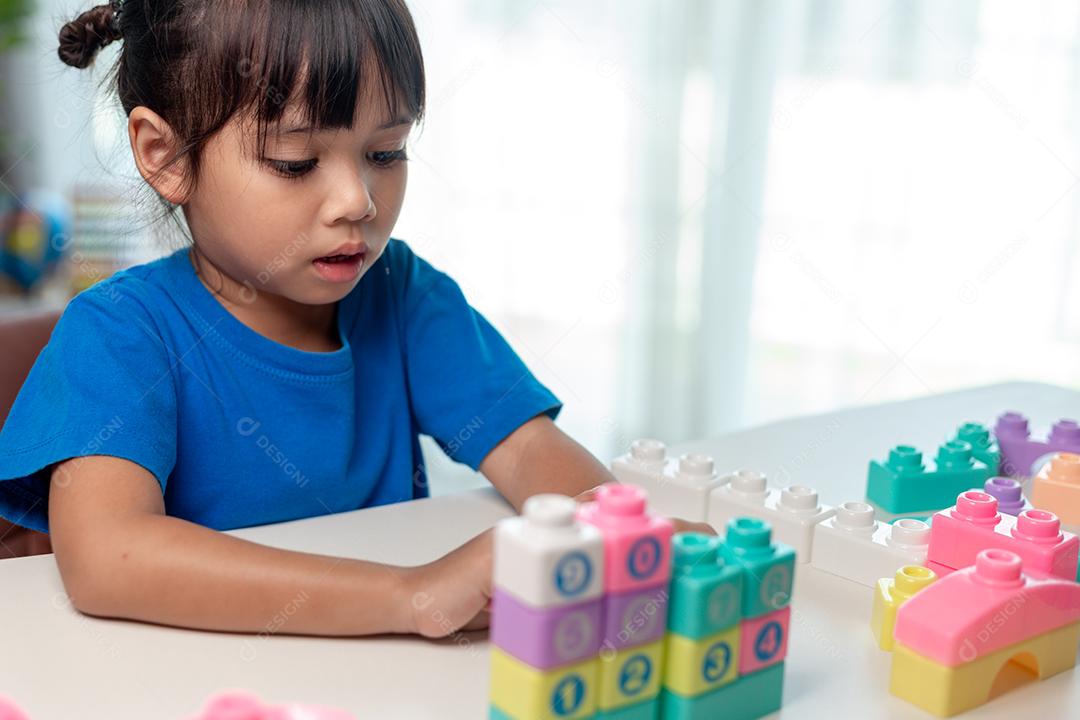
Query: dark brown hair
[(198, 63)]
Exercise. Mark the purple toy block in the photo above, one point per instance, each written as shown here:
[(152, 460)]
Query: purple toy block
[(1009, 495), (634, 617), (545, 638), (1019, 452)]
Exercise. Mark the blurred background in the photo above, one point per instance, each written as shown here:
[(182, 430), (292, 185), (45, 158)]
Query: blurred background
[(687, 216)]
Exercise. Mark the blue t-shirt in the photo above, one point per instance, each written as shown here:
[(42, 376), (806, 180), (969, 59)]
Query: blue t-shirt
[(241, 430)]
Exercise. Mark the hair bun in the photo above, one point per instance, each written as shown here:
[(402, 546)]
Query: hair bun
[(81, 38)]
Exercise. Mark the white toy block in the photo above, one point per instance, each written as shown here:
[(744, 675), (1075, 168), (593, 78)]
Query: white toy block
[(675, 488), (793, 512), (853, 545), (546, 558)]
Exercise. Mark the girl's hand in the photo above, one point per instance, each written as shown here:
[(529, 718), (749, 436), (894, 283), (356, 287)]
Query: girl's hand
[(680, 524), (454, 592)]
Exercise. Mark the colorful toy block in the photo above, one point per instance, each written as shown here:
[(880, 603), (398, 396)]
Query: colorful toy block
[(675, 488), (1057, 487), (1020, 454), (637, 545), (697, 666), (904, 485), (10, 711), (984, 447), (648, 710), (792, 512), (958, 534), (1009, 494), (763, 641), (546, 638), (890, 594), (630, 676), (634, 617), (953, 637), (706, 592), (752, 696), (246, 706), (855, 546), (521, 691), (768, 567)]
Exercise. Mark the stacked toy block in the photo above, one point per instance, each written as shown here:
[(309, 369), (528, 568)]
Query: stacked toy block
[(1009, 494), (903, 485), (674, 487), (546, 613), (1057, 488), (637, 571), (958, 534), (953, 636), (855, 546), (1021, 455), (984, 446), (728, 626), (890, 594)]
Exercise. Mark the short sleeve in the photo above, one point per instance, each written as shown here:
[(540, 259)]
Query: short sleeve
[(101, 386), (468, 389)]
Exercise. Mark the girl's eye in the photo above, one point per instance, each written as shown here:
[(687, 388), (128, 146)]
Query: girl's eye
[(387, 158), (292, 168)]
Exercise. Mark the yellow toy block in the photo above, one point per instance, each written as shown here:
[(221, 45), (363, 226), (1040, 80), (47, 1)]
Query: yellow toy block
[(630, 676), (946, 691), (525, 693), (693, 667), (890, 594)]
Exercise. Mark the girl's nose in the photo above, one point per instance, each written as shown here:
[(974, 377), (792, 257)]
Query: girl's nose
[(353, 199)]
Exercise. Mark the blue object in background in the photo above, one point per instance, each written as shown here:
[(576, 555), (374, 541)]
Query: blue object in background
[(33, 235)]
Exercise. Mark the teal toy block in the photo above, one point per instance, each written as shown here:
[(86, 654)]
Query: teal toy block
[(984, 447), (768, 567), (903, 484), (751, 696), (648, 710), (706, 591)]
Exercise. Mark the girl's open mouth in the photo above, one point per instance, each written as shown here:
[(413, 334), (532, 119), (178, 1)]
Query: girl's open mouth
[(339, 268)]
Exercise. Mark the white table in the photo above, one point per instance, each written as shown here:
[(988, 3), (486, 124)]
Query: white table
[(60, 665)]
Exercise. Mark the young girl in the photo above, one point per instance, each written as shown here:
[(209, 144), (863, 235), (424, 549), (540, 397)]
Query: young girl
[(284, 364)]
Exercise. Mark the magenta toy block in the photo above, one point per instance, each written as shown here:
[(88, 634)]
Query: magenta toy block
[(244, 706), (10, 711), (634, 617), (545, 638), (637, 545), (984, 608), (763, 641), (974, 524), (1009, 494), (1019, 452)]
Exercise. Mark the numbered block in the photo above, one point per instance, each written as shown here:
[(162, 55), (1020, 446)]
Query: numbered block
[(890, 594), (1009, 494), (634, 617), (853, 545), (675, 488), (903, 484), (546, 558), (706, 591), (763, 641), (958, 534), (636, 544), (984, 447), (630, 676), (749, 697), (545, 638), (1057, 488), (768, 567), (697, 666), (792, 512), (526, 693), (648, 710), (1021, 455)]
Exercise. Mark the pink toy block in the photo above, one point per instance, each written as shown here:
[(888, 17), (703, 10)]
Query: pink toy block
[(984, 608), (763, 640), (637, 545), (1057, 487), (1009, 494), (10, 711), (245, 706), (958, 534), (1019, 451)]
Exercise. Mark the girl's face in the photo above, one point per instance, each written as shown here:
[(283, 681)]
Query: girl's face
[(272, 221)]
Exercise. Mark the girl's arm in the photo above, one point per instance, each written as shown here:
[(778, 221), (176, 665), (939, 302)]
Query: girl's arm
[(119, 555)]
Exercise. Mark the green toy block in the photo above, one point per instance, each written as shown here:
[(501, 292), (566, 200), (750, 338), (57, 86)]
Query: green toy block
[(984, 447), (768, 567), (706, 591), (648, 710), (751, 696), (902, 484)]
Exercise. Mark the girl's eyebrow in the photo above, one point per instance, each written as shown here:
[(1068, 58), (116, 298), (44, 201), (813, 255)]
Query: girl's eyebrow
[(396, 122)]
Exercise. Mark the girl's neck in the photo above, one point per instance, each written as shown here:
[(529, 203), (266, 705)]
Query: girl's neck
[(305, 327)]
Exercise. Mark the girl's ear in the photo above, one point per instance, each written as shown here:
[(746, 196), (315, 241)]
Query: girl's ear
[(154, 145)]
